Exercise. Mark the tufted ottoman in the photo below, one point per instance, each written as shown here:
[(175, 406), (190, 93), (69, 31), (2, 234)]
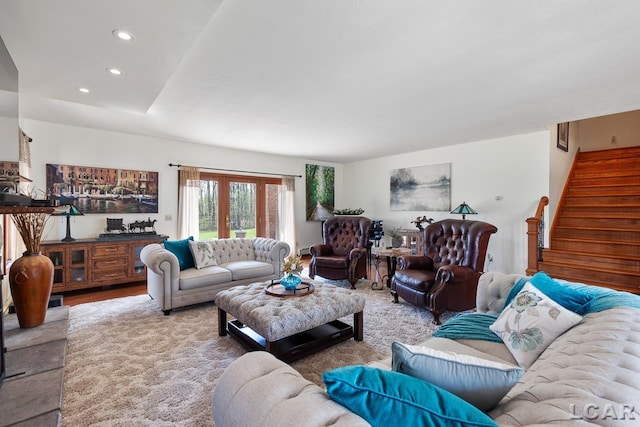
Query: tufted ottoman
[(289, 328)]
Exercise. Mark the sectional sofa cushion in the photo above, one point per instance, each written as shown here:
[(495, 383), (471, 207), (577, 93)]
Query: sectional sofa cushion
[(203, 254), (386, 398), (180, 248), (477, 380), (531, 322)]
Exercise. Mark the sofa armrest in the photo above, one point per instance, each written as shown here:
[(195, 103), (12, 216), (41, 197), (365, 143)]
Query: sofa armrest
[(258, 389), (456, 274), (271, 251), (357, 253), (493, 290), (160, 261)]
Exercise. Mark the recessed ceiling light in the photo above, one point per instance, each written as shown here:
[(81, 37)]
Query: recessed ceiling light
[(83, 90), (114, 71), (123, 35)]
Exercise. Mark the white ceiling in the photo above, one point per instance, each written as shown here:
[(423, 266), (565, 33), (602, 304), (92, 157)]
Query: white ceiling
[(339, 80)]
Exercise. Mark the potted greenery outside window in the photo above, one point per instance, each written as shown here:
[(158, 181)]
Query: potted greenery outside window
[(31, 275)]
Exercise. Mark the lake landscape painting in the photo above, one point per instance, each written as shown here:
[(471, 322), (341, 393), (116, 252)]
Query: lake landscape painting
[(421, 188), (103, 190)]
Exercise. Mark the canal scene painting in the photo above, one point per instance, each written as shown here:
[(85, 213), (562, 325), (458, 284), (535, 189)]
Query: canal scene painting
[(103, 190), (422, 188)]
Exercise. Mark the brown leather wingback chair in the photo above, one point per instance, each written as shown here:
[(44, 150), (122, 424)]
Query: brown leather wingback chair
[(344, 252), (446, 276)]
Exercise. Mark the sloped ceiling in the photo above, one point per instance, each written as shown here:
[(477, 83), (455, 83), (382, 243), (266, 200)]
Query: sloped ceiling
[(338, 81)]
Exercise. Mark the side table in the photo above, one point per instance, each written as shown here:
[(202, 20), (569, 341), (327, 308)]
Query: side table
[(392, 261)]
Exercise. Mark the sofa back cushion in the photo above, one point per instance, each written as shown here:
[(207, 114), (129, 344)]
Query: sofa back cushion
[(230, 250)]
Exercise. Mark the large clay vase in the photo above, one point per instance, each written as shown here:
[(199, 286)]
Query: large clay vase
[(31, 280)]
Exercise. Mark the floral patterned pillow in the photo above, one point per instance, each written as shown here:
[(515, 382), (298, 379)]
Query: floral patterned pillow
[(530, 323), (203, 255)]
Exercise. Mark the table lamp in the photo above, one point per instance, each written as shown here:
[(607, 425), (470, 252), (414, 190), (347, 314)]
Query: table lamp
[(72, 211), (464, 209)]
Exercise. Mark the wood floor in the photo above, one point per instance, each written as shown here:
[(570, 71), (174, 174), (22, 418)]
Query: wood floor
[(140, 288)]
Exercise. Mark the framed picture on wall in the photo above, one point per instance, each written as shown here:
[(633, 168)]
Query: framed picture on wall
[(563, 136)]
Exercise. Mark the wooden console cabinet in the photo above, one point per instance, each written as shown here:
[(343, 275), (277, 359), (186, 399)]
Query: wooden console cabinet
[(89, 263), (413, 239)]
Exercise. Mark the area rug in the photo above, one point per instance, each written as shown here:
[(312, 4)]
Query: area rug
[(129, 365)]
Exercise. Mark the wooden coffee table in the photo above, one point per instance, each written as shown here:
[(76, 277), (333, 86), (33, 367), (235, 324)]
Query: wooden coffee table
[(289, 328)]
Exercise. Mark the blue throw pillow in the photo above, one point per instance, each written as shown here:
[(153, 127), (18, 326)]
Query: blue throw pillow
[(572, 299), (180, 248), (384, 398)]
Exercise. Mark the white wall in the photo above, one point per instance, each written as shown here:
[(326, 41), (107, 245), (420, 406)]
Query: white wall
[(56, 143), (596, 133), (515, 169)]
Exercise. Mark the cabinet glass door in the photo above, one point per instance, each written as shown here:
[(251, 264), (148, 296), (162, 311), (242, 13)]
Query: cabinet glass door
[(78, 265)]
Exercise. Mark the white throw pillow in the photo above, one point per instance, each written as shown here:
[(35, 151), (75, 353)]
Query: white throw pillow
[(531, 322), (203, 255), (480, 382)]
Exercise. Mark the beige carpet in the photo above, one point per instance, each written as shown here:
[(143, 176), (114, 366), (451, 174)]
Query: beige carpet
[(129, 365)]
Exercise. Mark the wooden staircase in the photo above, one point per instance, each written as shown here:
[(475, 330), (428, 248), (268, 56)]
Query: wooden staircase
[(595, 235)]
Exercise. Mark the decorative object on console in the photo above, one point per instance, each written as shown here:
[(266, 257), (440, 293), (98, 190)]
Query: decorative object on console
[(464, 209), (418, 222), (72, 211), (396, 237), (31, 275), (348, 211)]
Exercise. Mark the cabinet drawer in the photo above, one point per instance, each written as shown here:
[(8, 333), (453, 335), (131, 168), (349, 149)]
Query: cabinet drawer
[(110, 250), (109, 263), (109, 275)]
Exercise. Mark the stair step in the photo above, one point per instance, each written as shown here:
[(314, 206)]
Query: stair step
[(608, 211), (611, 190), (598, 181), (627, 163), (587, 259), (596, 220), (618, 153), (593, 233), (560, 273), (627, 280), (604, 200), (623, 249)]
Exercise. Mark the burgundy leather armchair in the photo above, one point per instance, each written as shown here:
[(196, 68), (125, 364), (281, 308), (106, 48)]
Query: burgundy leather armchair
[(343, 255), (446, 276)]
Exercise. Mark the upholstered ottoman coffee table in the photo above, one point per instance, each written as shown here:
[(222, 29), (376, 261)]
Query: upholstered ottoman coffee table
[(289, 328)]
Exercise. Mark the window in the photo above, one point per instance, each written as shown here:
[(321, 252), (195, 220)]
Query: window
[(238, 206)]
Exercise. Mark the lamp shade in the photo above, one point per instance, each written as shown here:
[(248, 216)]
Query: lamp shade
[(464, 209)]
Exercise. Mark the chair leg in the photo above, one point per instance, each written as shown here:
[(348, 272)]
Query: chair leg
[(436, 316), (394, 294)]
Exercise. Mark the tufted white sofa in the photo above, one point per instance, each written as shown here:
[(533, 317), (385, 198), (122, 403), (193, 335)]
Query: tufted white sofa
[(239, 261), (587, 376)]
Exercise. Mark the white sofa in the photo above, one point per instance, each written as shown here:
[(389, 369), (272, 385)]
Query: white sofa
[(239, 261), (587, 376)]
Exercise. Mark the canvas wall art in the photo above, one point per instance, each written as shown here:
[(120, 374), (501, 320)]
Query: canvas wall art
[(103, 190), (421, 188), (320, 182)]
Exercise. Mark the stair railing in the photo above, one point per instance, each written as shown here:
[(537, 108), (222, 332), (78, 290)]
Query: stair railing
[(535, 237)]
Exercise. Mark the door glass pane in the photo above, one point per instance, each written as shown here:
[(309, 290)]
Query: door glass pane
[(242, 209), (208, 209)]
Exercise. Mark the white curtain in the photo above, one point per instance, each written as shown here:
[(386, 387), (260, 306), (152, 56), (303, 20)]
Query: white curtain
[(287, 231), (188, 194)]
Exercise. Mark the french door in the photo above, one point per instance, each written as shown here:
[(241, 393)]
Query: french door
[(238, 206)]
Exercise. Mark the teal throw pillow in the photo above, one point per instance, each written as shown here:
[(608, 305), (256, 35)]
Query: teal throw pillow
[(180, 248), (572, 299), (480, 382), (385, 398)]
